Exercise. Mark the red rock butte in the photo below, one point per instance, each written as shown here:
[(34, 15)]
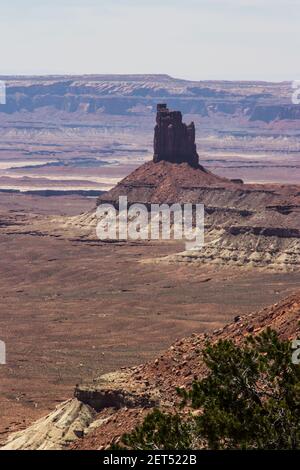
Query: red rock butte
[(174, 141)]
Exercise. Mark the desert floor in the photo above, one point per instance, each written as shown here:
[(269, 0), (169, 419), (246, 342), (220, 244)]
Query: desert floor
[(72, 310)]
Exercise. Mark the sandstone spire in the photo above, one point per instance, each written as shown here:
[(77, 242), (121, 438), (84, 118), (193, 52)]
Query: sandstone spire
[(174, 141)]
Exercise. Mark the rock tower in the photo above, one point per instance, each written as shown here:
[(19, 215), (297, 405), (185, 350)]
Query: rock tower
[(174, 141)]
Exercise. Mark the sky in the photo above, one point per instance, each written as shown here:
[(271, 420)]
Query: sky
[(191, 39)]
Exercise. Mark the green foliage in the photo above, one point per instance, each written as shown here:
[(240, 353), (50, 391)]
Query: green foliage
[(159, 431), (250, 399)]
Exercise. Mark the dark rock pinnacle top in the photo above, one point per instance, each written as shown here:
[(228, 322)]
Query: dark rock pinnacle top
[(174, 141)]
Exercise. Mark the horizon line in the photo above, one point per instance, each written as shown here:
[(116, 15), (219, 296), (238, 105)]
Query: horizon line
[(137, 75)]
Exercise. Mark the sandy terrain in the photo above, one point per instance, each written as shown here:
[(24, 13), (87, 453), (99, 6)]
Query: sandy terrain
[(72, 310)]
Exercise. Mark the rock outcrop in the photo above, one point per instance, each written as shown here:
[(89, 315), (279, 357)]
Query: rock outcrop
[(115, 390), (174, 141), (246, 225), (91, 408), (57, 430), (245, 247)]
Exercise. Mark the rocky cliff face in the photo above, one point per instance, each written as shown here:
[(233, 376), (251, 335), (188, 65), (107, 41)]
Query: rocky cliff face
[(130, 94), (174, 141)]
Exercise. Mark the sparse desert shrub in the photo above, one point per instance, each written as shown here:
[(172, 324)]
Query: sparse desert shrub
[(250, 399)]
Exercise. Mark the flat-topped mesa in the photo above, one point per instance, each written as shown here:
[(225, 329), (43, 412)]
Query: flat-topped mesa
[(174, 141)]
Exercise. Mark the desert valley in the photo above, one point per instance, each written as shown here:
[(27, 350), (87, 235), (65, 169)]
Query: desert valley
[(99, 332)]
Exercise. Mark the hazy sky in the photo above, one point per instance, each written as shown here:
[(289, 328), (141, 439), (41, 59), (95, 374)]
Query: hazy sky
[(196, 39)]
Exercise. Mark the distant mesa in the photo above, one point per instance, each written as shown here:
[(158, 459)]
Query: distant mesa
[(174, 141)]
